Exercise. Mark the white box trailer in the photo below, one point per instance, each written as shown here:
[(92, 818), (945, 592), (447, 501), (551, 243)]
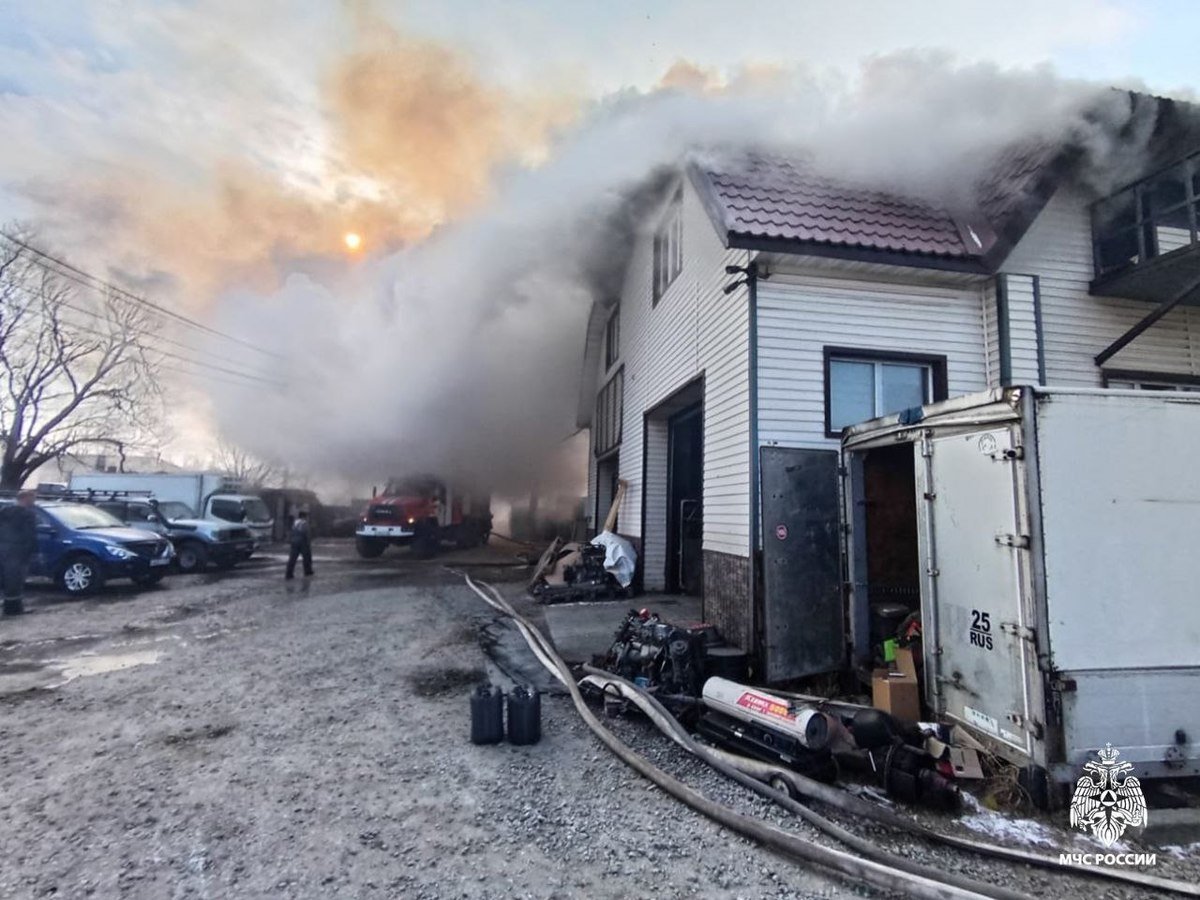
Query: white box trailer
[(1048, 539)]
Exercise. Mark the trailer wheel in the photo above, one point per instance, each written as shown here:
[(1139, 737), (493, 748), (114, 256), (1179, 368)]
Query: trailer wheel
[(369, 548)]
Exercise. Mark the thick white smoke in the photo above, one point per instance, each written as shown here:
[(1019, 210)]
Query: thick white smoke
[(462, 353)]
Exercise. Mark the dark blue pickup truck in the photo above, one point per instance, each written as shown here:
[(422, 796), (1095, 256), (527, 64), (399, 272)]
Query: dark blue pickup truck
[(81, 547)]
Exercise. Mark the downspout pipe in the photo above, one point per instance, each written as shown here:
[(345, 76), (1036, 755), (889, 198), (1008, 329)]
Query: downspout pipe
[(752, 276)]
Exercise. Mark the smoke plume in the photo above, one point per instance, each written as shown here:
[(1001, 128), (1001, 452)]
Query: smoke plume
[(461, 353)]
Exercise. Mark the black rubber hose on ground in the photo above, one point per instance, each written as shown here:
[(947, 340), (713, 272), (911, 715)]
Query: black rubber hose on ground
[(848, 803), (862, 870), (841, 799), (855, 842)]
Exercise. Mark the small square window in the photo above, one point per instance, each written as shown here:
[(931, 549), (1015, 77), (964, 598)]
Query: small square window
[(863, 385)]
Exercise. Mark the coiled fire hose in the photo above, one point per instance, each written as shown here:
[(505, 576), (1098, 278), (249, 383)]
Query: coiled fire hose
[(741, 769)]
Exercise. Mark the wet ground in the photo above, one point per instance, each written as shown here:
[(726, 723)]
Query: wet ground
[(236, 735)]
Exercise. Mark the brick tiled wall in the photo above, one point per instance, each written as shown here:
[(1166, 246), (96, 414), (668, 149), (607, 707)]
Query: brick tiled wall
[(726, 595)]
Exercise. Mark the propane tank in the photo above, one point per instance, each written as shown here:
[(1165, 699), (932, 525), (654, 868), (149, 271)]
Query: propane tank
[(487, 715), (805, 723), (524, 716)]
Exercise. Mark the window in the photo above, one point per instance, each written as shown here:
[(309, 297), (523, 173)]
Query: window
[(1150, 381), (612, 340), (610, 403), (229, 510), (668, 247), (861, 385)]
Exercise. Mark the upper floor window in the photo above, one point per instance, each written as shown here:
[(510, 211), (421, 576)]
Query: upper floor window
[(862, 385), (610, 409), (668, 247), (612, 340), (1150, 381)]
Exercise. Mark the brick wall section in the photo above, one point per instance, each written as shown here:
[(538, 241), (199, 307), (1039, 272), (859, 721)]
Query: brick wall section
[(725, 596)]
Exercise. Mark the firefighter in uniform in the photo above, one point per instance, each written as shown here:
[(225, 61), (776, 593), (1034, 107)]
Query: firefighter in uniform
[(18, 543)]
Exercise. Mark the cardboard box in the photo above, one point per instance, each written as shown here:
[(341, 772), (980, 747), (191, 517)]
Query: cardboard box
[(897, 693)]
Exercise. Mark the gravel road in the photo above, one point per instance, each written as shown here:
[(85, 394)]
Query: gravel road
[(234, 735)]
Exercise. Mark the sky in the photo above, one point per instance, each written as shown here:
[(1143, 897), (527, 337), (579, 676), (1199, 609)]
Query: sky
[(209, 152)]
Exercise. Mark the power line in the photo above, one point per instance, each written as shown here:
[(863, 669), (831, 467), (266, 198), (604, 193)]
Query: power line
[(86, 279), (254, 376)]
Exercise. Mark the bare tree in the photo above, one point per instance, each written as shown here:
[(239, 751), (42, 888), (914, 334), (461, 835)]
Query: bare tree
[(75, 369), (247, 468)]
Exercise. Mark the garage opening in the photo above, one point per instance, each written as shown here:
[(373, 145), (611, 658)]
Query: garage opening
[(672, 493), (893, 562), (685, 519), (608, 473)]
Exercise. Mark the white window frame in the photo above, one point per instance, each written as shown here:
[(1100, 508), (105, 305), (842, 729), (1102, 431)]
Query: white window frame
[(934, 368), (668, 249)]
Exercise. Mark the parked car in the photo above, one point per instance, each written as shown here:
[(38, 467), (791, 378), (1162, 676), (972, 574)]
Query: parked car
[(197, 541), (81, 547)]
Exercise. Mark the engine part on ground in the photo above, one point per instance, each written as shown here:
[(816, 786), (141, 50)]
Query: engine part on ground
[(873, 728), (799, 722), (725, 662), (909, 775), (864, 871), (758, 742), (658, 655), (524, 716), (487, 715), (572, 572)]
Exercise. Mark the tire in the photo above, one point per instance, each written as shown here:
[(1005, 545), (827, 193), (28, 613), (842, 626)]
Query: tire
[(191, 556), (149, 579), (425, 543), (369, 548), (81, 575)]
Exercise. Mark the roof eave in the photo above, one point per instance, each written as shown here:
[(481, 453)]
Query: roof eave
[(971, 265)]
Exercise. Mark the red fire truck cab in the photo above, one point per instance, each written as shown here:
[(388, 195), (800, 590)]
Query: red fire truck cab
[(424, 512)]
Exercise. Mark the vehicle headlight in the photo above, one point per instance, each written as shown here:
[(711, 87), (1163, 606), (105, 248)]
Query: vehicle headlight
[(119, 552)]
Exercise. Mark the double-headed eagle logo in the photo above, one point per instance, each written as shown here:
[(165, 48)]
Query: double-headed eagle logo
[(1107, 801)]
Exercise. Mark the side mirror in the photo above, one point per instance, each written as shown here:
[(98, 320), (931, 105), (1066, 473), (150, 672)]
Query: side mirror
[(154, 517), (45, 529)]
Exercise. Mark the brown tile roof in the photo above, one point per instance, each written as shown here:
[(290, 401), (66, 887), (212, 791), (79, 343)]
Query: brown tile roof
[(776, 198)]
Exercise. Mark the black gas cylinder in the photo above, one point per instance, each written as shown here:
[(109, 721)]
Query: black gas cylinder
[(524, 716), (487, 715)]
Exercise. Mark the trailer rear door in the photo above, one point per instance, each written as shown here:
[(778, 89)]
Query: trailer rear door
[(974, 539)]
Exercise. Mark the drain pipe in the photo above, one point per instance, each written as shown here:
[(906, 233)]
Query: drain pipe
[(752, 275)]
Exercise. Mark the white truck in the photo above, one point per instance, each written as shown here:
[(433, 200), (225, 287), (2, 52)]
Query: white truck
[(209, 494), (1047, 539)]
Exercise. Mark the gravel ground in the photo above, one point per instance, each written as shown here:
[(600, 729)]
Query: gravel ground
[(235, 736)]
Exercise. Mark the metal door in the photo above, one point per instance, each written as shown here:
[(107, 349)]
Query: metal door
[(803, 622), (978, 646)]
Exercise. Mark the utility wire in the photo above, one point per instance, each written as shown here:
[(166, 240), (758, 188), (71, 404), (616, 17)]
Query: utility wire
[(254, 376), (67, 270)]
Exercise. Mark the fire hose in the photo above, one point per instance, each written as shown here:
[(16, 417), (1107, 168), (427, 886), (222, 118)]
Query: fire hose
[(741, 769), (864, 870)]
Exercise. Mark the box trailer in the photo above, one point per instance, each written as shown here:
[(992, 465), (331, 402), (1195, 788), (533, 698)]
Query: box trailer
[(1045, 536)]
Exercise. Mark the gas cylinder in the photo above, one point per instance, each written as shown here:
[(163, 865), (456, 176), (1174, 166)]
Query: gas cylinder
[(524, 716), (487, 715)]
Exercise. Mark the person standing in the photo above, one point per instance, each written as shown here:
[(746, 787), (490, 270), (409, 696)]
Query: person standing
[(301, 545), (18, 543)]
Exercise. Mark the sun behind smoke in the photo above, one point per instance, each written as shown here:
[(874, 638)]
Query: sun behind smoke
[(352, 240)]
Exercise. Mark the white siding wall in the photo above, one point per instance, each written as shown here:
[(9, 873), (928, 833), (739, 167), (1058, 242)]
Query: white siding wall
[(1076, 325), (695, 329), (799, 316), (1022, 330)]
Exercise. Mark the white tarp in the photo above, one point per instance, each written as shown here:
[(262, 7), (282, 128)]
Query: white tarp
[(619, 556)]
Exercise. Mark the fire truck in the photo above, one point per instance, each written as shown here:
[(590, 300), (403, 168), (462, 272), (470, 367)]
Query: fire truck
[(425, 513)]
